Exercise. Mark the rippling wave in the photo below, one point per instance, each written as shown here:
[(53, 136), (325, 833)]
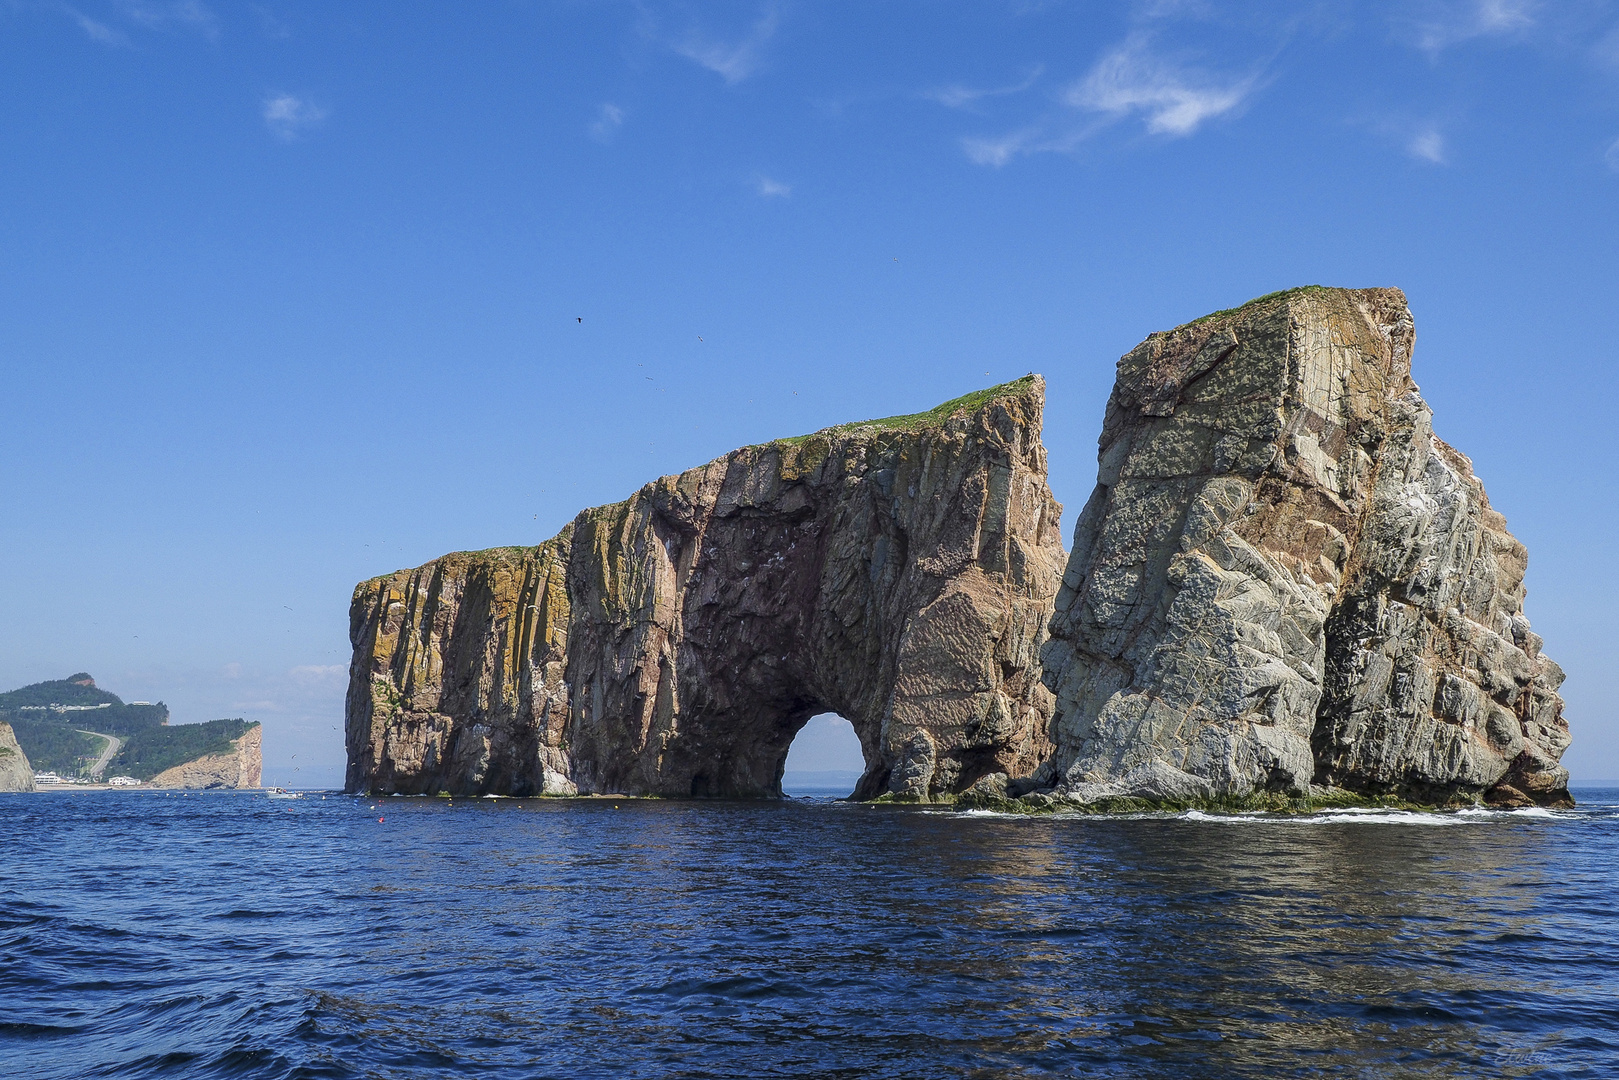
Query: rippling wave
[(163, 935)]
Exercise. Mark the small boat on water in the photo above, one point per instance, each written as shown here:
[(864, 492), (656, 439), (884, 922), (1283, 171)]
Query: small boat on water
[(283, 793)]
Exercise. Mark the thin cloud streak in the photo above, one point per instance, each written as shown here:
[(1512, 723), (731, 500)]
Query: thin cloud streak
[(97, 31), (287, 115), (609, 118), (1174, 102), (998, 150), (190, 13), (731, 61), (1129, 80), (319, 674), (960, 97), (1612, 156), (771, 189), (1455, 23), (1427, 145)]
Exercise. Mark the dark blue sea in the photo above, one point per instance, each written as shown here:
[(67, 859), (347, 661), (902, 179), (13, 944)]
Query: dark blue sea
[(229, 935)]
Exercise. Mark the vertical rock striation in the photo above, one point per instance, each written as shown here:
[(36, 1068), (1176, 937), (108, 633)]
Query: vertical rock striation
[(15, 772), (897, 572), (1283, 578)]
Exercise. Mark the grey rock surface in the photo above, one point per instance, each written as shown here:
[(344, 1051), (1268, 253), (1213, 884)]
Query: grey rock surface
[(1283, 578), (15, 772), (897, 572)]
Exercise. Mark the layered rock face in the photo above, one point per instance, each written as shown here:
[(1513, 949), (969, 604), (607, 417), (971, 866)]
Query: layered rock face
[(1283, 578), (15, 772), (243, 767), (899, 573)]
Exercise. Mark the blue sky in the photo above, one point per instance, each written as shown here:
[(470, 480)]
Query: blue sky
[(291, 294)]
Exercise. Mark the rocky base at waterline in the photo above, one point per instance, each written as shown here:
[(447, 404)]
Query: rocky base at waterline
[(1320, 800), (1284, 589)]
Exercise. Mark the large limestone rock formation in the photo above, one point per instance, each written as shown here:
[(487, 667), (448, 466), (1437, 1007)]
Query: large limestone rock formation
[(15, 772), (897, 572), (242, 767), (1283, 578)]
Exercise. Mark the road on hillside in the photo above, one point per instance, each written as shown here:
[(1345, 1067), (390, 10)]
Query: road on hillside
[(107, 754)]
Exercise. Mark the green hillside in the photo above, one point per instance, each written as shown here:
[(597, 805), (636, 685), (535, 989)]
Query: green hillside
[(77, 689), (52, 717), (150, 752)]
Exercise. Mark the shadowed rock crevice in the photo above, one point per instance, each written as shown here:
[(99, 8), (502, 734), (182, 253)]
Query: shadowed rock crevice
[(896, 572)]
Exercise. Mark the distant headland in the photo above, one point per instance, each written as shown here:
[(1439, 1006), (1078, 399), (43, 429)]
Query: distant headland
[(70, 732)]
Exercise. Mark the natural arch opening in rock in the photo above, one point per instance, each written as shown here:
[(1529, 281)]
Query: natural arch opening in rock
[(825, 759), (896, 572)]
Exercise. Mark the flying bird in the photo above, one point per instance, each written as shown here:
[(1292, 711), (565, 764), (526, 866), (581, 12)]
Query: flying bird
[(580, 319)]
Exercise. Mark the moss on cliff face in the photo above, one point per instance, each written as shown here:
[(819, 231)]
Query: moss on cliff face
[(459, 669), (895, 571)]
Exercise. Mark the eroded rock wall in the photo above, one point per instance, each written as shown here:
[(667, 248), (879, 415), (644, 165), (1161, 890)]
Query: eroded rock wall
[(897, 572), (242, 767), (15, 772), (1283, 578)]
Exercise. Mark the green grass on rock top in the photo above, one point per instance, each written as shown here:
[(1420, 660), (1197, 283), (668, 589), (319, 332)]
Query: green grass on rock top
[(915, 421)]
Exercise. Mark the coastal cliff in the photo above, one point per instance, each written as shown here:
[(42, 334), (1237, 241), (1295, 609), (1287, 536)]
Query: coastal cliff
[(241, 767), (15, 772), (897, 572), (1284, 581), (1284, 586)]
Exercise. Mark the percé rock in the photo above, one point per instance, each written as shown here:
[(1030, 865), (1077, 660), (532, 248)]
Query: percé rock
[(1284, 579), (899, 573), (242, 767), (15, 772)]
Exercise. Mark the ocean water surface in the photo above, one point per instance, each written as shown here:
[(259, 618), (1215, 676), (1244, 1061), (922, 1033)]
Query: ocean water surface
[(230, 935)]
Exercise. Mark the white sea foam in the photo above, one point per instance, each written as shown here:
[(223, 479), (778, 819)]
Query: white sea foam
[(1479, 815)]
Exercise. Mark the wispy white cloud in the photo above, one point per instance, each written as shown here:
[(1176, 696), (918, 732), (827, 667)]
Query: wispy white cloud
[(1427, 145), (97, 31), (1175, 101), (1450, 22), (287, 115), (186, 13), (960, 97), (771, 189), (736, 60), (319, 674), (1612, 156), (1421, 138), (997, 150), (609, 118)]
